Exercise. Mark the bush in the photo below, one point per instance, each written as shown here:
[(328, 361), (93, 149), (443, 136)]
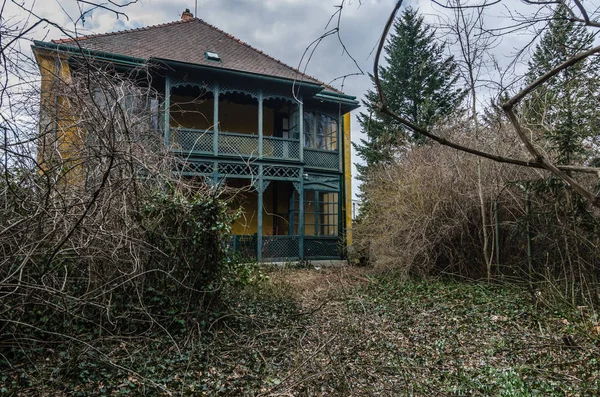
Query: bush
[(423, 215), (424, 218), (105, 240), (188, 231)]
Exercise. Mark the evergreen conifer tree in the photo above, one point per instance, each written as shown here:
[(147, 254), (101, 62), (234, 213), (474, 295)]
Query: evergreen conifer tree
[(564, 110), (418, 81)]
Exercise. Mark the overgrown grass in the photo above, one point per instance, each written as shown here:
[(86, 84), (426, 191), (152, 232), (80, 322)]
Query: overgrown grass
[(471, 339), (338, 332)]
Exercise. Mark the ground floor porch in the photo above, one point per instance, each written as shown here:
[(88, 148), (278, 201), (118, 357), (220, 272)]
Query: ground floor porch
[(285, 222)]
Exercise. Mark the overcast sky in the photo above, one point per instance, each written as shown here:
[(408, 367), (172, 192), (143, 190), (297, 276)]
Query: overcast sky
[(281, 28)]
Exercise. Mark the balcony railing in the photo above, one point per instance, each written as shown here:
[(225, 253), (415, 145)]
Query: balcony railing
[(281, 148), (192, 141), (237, 144), (321, 159)]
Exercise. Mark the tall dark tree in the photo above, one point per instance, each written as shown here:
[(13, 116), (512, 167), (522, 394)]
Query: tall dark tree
[(563, 112), (419, 82)]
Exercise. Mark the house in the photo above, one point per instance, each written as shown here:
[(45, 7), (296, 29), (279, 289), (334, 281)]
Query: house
[(242, 118)]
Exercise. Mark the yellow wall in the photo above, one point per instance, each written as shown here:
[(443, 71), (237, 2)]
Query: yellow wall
[(247, 200), (248, 221), (235, 117), (61, 138), (190, 112), (347, 207)]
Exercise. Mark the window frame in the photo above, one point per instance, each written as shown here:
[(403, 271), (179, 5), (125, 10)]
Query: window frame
[(318, 225), (315, 133)]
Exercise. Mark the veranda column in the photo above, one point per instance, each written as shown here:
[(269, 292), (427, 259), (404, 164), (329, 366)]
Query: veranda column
[(301, 212), (339, 141), (259, 231), (301, 128), (215, 174), (167, 114), (260, 124), (216, 120)]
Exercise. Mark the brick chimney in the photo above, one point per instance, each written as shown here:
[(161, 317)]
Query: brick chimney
[(187, 15)]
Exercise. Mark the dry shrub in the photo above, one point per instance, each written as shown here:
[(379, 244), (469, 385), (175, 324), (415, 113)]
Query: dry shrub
[(423, 216), (423, 212), (99, 235)]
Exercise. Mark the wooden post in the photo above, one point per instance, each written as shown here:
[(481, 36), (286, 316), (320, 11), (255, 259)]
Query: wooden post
[(216, 120), (301, 128), (338, 141), (259, 231), (167, 125), (301, 210), (260, 124)]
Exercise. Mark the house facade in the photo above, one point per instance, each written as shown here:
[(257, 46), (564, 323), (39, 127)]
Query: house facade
[(240, 118)]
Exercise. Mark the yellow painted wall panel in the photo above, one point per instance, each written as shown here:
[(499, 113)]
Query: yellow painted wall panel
[(347, 210), (189, 112), (59, 129), (247, 224)]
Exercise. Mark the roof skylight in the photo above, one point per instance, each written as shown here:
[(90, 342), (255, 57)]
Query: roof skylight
[(212, 56)]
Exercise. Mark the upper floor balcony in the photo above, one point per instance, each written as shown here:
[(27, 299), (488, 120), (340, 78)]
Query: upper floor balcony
[(190, 142), (232, 122)]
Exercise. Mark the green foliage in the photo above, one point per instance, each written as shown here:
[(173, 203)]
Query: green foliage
[(376, 335), (176, 263), (192, 231), (418, 81), (189, 229), (203, 354), (563, 111), (563, 120)]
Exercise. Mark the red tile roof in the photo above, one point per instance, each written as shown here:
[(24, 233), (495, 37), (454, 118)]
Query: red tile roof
[(187, 41)]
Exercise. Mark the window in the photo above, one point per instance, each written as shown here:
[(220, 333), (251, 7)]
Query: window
[(320, 131), (309, 127), (294, 122), (127, 103), (320, 213), (328, 214)]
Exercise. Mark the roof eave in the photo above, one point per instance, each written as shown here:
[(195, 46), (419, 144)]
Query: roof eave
[(315, 87), (348, 102), (97, 55), (338, 95)]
